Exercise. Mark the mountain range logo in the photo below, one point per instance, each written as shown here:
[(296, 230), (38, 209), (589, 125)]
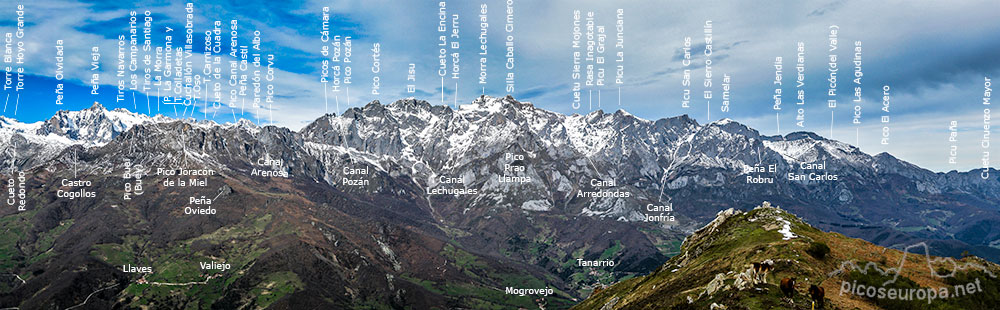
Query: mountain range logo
[(955, 266), (941, 267)]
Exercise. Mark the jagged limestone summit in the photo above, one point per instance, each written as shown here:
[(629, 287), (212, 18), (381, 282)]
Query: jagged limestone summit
[(408, 203)]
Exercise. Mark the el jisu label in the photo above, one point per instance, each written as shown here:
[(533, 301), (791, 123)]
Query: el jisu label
[(354, 176), (80, 190), (214, 266)]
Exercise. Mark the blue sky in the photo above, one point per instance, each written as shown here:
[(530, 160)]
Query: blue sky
[(933, 56)]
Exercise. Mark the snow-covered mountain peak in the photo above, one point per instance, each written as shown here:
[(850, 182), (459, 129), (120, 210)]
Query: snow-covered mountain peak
[(729, 128), (724, 121), (92, 126), (799, 135), (625, 114), (245, 124), (410, 105), (96, 106), (594, 114), (11, 124), (489, 105), (560, 153)]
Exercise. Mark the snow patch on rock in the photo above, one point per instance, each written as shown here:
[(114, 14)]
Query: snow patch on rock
[(536, 205)]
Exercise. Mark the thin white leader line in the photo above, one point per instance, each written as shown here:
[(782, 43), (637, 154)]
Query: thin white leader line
[(257, 107), (778, 121), (831, 125)]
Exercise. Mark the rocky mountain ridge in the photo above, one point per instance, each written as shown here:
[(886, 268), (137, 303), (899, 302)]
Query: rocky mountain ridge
[(767, 258), (500, 180)]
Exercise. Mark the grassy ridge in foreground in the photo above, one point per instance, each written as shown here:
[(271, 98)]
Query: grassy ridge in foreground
[(707, 273)]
